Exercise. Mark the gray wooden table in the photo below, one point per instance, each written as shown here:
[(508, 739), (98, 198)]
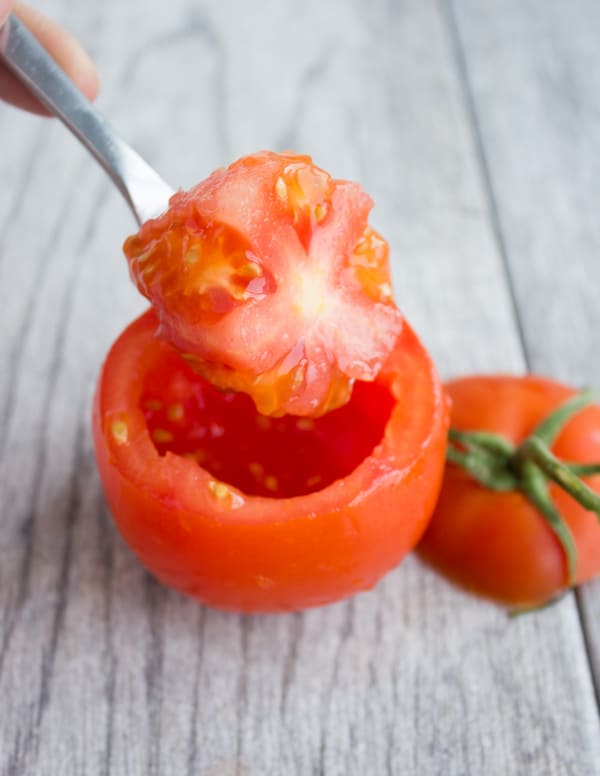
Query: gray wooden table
[(475, 124)]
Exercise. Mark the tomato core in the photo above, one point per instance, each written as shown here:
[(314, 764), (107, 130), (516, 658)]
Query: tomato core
[(277, 457)]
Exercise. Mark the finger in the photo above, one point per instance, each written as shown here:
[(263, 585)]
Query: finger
[(62, 47), (5, 6)]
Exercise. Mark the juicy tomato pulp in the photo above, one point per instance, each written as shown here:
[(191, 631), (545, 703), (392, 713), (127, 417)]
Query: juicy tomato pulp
[(269, 279), (497, 544), (252, 513), (286, 456)]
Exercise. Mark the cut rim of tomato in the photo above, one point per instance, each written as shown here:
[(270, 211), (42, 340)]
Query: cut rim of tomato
[(287, 543), (136, 433), (280, 457)]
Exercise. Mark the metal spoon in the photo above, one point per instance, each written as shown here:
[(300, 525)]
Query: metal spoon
[(146, 193)]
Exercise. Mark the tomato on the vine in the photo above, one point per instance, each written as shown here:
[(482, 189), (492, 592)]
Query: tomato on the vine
[(268, 277), (514, 521), (253, 513)]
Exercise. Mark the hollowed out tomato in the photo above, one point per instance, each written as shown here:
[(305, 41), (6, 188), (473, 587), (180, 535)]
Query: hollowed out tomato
[(252, 513)]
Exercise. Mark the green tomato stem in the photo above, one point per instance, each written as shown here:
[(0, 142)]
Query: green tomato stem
[(549, 429), (484, 468), (493, 443), (584, 469), (497, 464), (533, 449), (535, 487)]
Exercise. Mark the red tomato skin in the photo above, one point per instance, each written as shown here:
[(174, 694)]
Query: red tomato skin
[(269, 554), (497, 544)]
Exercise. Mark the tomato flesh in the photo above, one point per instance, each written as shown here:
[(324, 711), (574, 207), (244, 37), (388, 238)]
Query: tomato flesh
[(223, 503), (268, 277), (497, 544), (284, 456)]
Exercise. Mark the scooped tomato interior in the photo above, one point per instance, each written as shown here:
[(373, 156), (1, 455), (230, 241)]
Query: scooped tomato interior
[(253, 513), (285, 456), (270, 281)]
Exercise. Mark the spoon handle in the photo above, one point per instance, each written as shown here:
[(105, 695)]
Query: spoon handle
[(146, 193)]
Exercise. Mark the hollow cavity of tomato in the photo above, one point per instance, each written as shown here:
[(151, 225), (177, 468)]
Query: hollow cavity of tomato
[(252, 513), (268, 277), (504, 528)]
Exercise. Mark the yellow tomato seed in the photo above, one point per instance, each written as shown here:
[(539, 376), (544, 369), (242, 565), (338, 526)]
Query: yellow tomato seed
[(192, 256), (201, 456), (320, 212), (162, 436), (175, 412), (250, 270), (281, 189), (271, 483), (119, 431), (219, 491), (256, 469), (238, 293)]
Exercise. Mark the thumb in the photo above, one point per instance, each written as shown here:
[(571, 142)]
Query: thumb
[(61, 46), (5, 8)]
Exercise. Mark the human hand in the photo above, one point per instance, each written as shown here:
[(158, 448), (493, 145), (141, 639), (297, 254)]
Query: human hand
[(61, 46)]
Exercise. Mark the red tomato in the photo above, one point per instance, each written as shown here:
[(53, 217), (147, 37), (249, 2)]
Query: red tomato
[(268, 276), (498, 544), (252, 513)]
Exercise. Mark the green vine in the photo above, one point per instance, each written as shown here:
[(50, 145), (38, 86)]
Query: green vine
[(529, 467)]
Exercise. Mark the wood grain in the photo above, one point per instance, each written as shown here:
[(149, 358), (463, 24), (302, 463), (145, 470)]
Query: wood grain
[(103, 671)]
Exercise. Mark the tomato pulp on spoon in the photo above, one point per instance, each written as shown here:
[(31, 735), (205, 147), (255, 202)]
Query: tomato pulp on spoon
[(252, 513), (268, 277)]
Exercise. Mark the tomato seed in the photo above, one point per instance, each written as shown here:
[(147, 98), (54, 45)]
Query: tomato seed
[(192, 256), (119, 431), (321, 211), (281, 189), (175, 412), (256, 469), (162, 436), (271, 483)]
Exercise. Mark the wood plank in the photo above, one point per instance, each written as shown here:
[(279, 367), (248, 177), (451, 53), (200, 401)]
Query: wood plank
[(101, 669), (535, 81)]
